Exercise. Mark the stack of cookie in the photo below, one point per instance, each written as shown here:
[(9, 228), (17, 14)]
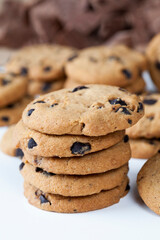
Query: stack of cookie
[(13, 99), (43, 65), (145, 135), (75, 149), (116, 66)]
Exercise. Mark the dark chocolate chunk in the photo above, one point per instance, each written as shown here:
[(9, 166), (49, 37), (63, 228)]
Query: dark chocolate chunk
[(39, 102), (5, 82), (37, 169), (127, 73), (123, 110), (48, 174), (159, 151), (31, 143), (126, 138), (80, 148), (47, 69), (46, 87), (24, 71), (117, 101), (55, 104), (72, 57), (43, 199), (150, 101), (129, 121), (30, 112), (140, 107), (10, 105), (21, 166), (157, 64), (127, 187), (5, 119), (79, 88), (19, 153)]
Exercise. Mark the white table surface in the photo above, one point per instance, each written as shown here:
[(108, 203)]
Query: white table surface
[(129, 219)]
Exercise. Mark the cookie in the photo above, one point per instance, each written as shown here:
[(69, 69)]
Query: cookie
[(41, 62), (148, 182), (117, 66), (144, 148), (7, 145), (12, 88), (57, 203), (86, 110), (149, 125), (98, 162), (67, 185), (35, 88), (36, 143), (12, 113), (153, 55)]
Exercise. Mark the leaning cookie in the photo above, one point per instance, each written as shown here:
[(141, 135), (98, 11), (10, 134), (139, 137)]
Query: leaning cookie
[(85, 110), (57, 203), (36, 143), (148, 182)]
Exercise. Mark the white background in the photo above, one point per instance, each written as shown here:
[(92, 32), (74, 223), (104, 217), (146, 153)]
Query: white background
[(129, 219)]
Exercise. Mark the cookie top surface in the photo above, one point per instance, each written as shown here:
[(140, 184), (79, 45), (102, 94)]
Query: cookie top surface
[(41, 62), (91, 110), (12, 88), (148, 181), (117, 66), (153, 49), (149, 125)]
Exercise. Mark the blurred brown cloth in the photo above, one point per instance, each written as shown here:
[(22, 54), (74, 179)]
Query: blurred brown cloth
[(79, 23)]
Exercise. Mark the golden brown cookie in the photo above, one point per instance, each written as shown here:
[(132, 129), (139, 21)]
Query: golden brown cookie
[(12, 88), (91, 110), (57, 203), (148, 182), (36, 143), (67, 185), (98, 162)]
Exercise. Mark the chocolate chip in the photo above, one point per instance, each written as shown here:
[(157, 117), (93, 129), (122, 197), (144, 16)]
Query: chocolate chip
[(127, 73), (31, 143), (19, 153), (21, 166), (151, 142), (117, 101), (127, 187), (48, 174), (24, 71), (92, 59), (129, 121), (122, 89), (43, 199), (149, 101), (150, 118), (47, 69), (37, 169), (30, 112), (140, 107), (5, 82), (10, 105), (126, 138), (79, 88), (159, 151), (80, 148), (74, 210), (123, 110), (157, 64), (90, 8), (5, 119), (55, 104), (46, 87), (72, 57), (39, 102)]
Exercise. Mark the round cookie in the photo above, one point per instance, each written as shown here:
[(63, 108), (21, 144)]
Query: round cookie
[(149, 125), (36, 143), (117, 66), (12, 88), (86, 110), (144, 148), (98, 162), (12, 113), (56, 203), (148, 182), (41, 62), (153, 55), (35, 88), (67, 185), (7, 144)]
